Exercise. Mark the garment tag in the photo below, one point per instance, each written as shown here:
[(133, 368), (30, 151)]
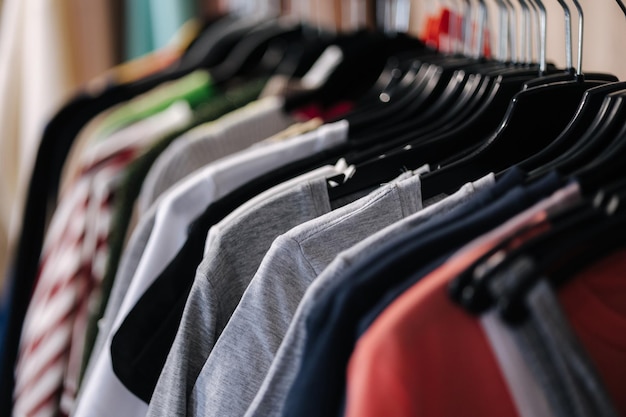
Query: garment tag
[(344, 169), (323, 67)]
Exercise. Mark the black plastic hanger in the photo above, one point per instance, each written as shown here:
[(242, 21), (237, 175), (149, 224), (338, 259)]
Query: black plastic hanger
[(471, 288), (249, 51), (587, 111), (377, 164), (534, 119), (367, 59), (422, 82), (213, 45), (388, 82), (599, 134), (562, 254), (448, 110), (608, 167), (569, 75), (460, 92)]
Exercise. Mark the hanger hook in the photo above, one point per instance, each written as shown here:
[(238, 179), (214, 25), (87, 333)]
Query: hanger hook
[(512, 33), (384, 15), (543, 33), (568, 34), (502, 29), (534, 9), (467, 28), (526, 28), (581, 25), (482, 21)]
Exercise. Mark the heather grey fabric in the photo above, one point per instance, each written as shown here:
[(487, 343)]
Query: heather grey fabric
[(235, 369), (567, 375), (272, 392), (235, 248)]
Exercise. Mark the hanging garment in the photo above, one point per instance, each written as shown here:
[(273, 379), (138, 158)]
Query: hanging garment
[(72, 269), (204, 144), (289, 267), (429, 246), (271, 394), (194, 89), (176, 211), (428, 296), (236, 248), (130, 189)]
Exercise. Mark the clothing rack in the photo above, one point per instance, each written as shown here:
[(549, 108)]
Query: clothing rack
[(304, 208)]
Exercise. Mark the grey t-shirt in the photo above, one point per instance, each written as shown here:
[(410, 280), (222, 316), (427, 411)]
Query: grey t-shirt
[(244, 352), (236, 247), (272, 392)]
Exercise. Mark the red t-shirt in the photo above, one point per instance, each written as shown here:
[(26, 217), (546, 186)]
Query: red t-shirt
[(425, 356)]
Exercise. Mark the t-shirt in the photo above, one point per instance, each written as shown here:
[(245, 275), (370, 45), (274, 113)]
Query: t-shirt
[(42, 192), (270, 396), (103, 391), (396, 351), (122, 211), (238, 244), (235, 250), (244, 352), (71, 270), (177, 278), (337, 319)]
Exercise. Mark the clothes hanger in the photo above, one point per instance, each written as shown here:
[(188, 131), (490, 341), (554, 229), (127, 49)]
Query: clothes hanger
[(508, 70), (599, 134), (561, 255), (471, 288), (605, 169), (570, 72), (248, 53), (591, 105), (381, 169), (431, 89), (467, 83), (604, 128), (579, 236), (603, 180), (214, 44), (368, 60), (529, 126)]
